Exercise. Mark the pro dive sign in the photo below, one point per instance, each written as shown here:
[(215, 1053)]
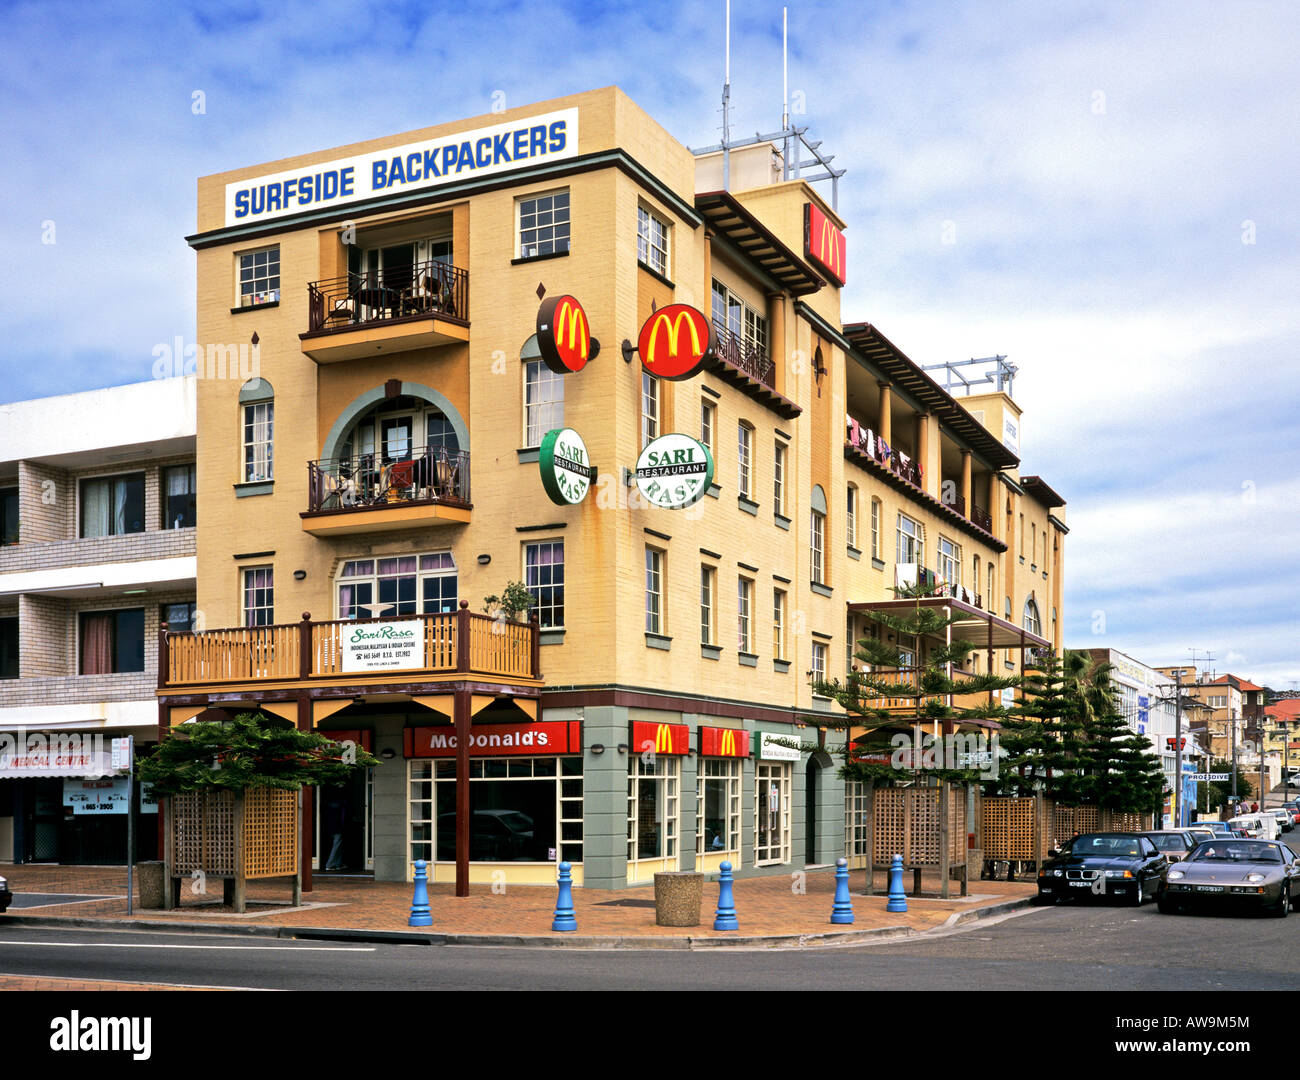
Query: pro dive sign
[(674, 471), (566, 469), (465, 155), (380, 646)]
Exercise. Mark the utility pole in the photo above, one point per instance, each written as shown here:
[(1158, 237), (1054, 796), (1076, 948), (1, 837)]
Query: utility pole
[(1178, 749)]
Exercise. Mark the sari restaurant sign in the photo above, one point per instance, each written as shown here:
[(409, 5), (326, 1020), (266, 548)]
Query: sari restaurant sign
[(496, 740), (566, 470), (466, 155), (381, 646), (674, 471)]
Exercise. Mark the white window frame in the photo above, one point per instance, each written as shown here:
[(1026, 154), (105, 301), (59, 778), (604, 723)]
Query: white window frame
[(532, 234), (652, 240), (817, 547), (258, 441), (654, 590), (820, 656), (708, 604), (745, 615), (877, 510), (779, 601), (745, 460), (249, 271), (665, 769), (779, 453), (777, 849), (947, 561), (709, 425), (544, 612), (911, 544), (420, 574), (851, 515), (726, 772), (543, 402), (650, 408), (247, 616)]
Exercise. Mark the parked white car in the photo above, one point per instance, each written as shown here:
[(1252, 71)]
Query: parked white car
[(1258, 826)]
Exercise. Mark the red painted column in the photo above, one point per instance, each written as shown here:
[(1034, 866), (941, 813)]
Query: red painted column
[(307, 814), (461, 714)]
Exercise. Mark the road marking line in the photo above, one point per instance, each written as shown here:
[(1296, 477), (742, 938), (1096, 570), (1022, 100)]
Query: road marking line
[(210, 948)]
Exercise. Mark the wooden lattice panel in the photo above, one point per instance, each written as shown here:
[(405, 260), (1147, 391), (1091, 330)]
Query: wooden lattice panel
[(270, 833), (890, 832), (203, 832), (1126, 822), (1008, 827), (907, 824)]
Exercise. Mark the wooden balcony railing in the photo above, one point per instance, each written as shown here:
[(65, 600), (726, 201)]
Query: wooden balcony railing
[(427, 288), (455, 643)]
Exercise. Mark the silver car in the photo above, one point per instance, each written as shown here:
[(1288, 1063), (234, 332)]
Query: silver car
[(1236, 874)]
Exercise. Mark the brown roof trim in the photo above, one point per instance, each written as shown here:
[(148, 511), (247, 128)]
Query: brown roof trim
[(747, 234), (903, 372), (1038, 488)]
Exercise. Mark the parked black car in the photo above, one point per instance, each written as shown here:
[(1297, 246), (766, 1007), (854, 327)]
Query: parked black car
[(1263, 875), (6, 897), (1123, 865)]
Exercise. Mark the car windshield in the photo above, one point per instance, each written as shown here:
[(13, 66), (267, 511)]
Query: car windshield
[(1167, 841), (1103, 845), (1219, 851)]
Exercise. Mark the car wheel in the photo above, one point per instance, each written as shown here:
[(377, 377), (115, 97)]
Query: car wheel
[(1137, 895), (1283, 908)]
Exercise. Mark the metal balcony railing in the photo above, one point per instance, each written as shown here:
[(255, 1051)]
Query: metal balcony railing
[(427, 474), (376, 296), (743, 355)]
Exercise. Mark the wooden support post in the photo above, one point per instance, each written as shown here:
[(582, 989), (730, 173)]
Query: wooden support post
[(171, 886), (306, 815), (536, 645), (461, 711), (304, 648), (945, 860), (240, 883), (1039, 839)]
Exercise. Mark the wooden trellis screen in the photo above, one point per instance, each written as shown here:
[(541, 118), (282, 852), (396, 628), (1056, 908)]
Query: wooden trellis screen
[(238, 836), (1008, 825), (907, 824)]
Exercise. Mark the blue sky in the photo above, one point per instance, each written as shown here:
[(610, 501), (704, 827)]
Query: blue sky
[(1120, 181)]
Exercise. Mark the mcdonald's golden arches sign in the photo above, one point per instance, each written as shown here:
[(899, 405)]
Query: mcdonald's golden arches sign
[(564, 335), (674, 341), (824, 243), (659, 738), (723, 742)]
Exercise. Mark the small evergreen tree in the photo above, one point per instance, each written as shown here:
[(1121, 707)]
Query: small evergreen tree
[(1042, 735), (1118, 771)]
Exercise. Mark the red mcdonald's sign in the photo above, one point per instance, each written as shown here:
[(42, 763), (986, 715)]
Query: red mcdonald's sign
[(724, 742), (824, 243), (674, 341), (659, 738), (564, 335), (496, 740)]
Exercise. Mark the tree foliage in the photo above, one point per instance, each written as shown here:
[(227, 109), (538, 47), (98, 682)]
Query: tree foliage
[(250, 751)]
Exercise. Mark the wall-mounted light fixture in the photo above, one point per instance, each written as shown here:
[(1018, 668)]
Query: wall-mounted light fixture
[(299, 575), (388, 753), (483, 560), (622, 748), (597, 748)]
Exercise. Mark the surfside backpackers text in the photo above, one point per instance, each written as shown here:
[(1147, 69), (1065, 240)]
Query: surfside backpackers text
[(482, 151)]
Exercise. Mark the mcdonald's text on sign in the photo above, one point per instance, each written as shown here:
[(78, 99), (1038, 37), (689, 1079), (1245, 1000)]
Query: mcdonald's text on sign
[(824, 243), (672, 739), (724, 742), (564, 335), (496, 740), (675, 341)]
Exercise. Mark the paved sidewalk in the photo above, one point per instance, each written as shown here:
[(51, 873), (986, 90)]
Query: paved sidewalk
[(781, 909)]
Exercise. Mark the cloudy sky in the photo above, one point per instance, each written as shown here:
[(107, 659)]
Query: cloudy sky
[(1104, 192)]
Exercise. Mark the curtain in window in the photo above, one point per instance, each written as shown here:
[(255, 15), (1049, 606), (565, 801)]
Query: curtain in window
[(97, 644), (120, 491), (94, 508), (179, 484)]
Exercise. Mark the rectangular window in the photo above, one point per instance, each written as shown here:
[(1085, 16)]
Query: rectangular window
[(654, 591), (401, 585), (733, 316), (259, 425), (8, 516), (771, 812), (259, 277), (818, 544), (909, 540), (818, 663), (112, 505), (778, 478), (259, 596), (178, 618), (778, 624), (948, 563), (851, 516), (178, 497), (745, 461), (649, 408), (8, 648), (543, 401), (544, 577), (652, 241), (875, 528), (708, 423), (653, 809), (112, 641), (544, 224), (744, 602), (717, 807), (708, 581)]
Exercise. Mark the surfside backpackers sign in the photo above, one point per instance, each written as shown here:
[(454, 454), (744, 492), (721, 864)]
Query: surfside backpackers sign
[(465, 155)]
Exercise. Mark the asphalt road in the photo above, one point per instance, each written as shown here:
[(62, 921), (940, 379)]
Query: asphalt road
[(1062, 948)]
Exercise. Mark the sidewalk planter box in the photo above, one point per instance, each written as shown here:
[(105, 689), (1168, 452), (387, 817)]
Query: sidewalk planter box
[(679, 895), (236, 836)]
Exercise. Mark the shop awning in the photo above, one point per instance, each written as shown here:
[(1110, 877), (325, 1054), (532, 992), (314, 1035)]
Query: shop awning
[(979, 627)]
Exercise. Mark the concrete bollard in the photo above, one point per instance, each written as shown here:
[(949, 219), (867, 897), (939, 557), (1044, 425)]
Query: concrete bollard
[(842, 908), (420, 915), (564, 919), (725, 917), (897, 898)]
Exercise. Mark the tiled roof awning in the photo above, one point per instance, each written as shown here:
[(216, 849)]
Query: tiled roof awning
[(727, 217), (973, 624), (908, 376), (1036, 487)]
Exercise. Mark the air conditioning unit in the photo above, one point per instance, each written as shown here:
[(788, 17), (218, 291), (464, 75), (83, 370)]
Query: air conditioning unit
[(905, 574)]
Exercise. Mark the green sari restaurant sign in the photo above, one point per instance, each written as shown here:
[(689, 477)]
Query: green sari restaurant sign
[(566, 469)]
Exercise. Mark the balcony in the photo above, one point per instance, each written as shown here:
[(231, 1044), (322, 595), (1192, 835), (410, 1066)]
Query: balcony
[(982, 518), (461, 643), (750, 369), (364, 494), (421, 305)]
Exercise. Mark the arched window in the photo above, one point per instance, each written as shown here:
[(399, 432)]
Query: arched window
[(1032, 622), (817, 538), (257, 412)]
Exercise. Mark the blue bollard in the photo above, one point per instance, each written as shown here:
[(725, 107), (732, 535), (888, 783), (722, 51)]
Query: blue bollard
[(564, 919), (897, 899), (725, 917), (420, 915), (842, 909)]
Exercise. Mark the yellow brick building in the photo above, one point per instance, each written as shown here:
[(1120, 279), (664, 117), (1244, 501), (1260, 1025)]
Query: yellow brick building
[(382, 463)]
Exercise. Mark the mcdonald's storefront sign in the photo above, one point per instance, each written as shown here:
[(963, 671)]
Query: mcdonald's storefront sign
[(674, 342), (564, 335), (496, 740), (824, 243), (660, 738), (724, 742)]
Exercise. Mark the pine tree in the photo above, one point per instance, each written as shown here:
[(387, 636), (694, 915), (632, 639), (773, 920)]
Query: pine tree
[(1118, 771), (1042, 735)]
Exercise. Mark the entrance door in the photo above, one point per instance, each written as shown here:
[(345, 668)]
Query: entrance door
[(810, 812), (343, 825)]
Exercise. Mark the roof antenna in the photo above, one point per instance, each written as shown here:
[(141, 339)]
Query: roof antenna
[(785, 93), (726, 107)]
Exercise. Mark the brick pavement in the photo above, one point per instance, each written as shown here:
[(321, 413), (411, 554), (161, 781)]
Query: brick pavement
[(779, 905)]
